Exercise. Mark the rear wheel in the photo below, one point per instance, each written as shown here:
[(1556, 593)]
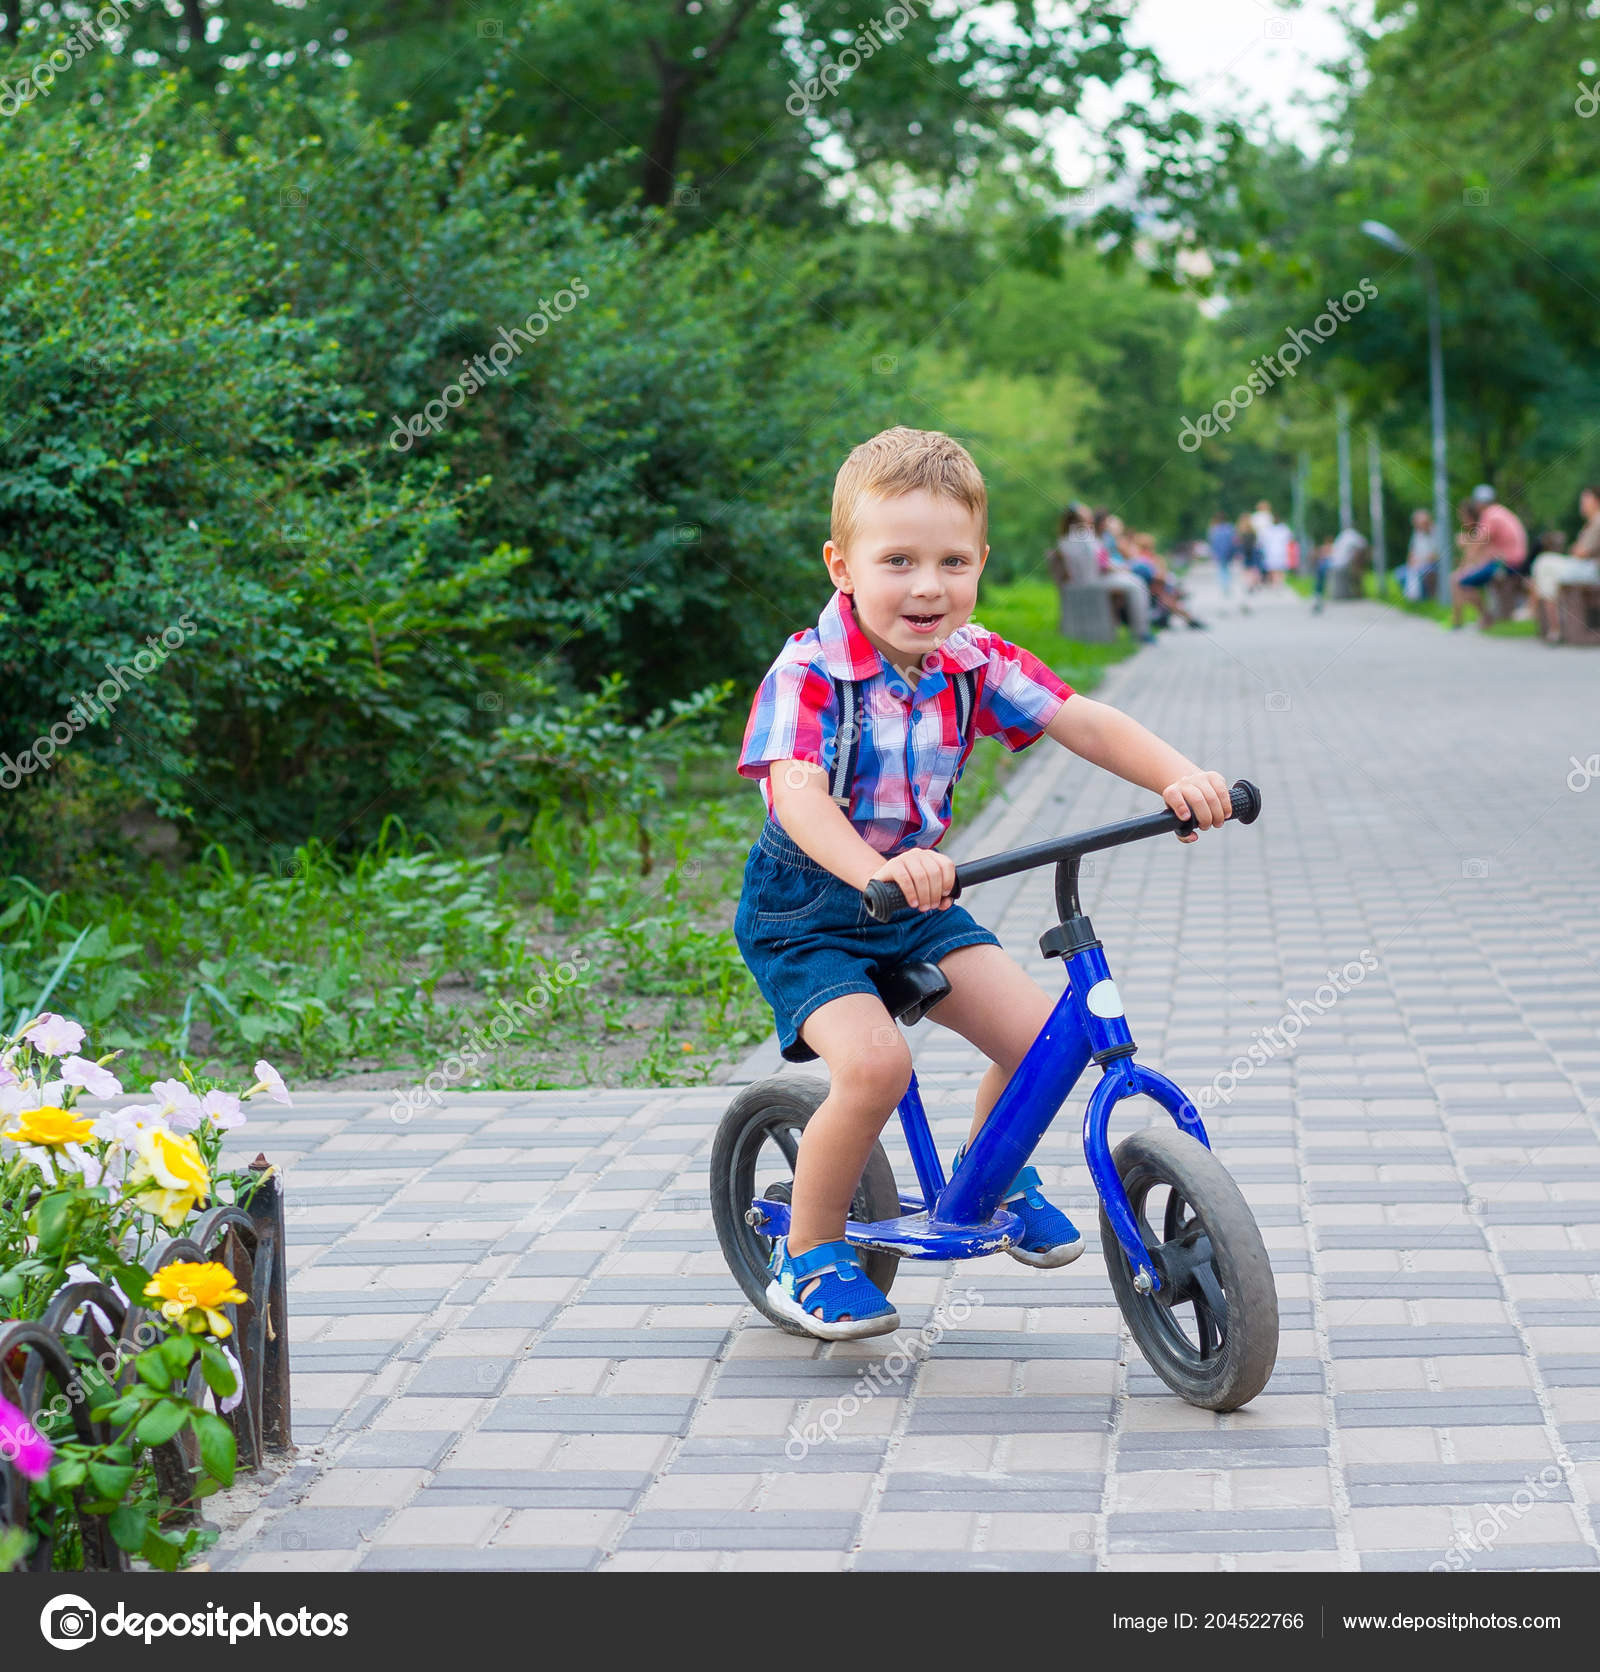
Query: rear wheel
[(1211, 1331), (754, 1156)]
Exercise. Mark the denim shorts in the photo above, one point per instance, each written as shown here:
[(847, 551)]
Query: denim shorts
[(807, 938)]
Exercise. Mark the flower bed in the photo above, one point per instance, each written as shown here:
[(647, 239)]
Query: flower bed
[(132, 1265)]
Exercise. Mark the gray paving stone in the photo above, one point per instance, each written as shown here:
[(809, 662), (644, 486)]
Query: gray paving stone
[(617, 1415), (740, 1530), (395, 1448), (403, 1558), (474, 1378)]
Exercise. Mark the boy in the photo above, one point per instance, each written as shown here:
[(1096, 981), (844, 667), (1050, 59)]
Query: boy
[(895, 679)]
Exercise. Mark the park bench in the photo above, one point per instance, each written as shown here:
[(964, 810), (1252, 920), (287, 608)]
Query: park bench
[(1578, 614), (1347, 582), (1087, 613)]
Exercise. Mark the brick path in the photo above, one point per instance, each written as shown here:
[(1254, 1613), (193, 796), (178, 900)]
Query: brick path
[(516, 1345)]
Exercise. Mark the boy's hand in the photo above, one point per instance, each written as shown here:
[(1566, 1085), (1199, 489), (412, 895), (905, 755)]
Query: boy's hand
[(924, 877), (1202, 796)]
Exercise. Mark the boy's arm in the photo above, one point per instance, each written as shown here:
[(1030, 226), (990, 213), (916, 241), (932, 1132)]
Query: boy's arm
[(818, 826), (1107, 737)]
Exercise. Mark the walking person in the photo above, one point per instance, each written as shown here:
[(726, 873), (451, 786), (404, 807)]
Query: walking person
[(1219, 537)]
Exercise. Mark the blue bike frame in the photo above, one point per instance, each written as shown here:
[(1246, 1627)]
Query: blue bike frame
[(961, 1217)]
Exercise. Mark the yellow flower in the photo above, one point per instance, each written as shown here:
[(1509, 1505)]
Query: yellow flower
[(169, 1179), (195, 1292), (51, 1127)]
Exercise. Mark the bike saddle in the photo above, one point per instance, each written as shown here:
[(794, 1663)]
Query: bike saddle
[(909, 991)]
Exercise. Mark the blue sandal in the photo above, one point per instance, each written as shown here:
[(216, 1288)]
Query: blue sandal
[(852, 1305), (1049, 1238)]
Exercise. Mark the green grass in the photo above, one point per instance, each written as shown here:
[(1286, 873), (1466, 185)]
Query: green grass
[(380, 964), (1426, 608)]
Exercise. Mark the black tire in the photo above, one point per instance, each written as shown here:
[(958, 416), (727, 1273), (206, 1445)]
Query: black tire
[(754, 1122), (1216, 1362)]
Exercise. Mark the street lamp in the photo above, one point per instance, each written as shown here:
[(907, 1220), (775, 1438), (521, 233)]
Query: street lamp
[(1443, 534)]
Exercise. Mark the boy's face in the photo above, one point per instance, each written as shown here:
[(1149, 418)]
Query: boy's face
[(911, 571)]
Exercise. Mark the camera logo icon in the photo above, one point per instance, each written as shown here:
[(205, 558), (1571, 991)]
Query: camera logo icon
[(491, 29), (686, 197), (68, 1622), (1277, 29), (1278, 702), (1475, 196), (1474, 867), (291, 197)]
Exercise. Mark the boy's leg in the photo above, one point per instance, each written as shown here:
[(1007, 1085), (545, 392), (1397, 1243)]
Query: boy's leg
[(996, 1005), (869, 1068)]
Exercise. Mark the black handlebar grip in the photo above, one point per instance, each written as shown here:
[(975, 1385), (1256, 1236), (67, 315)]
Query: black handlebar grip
[(883, 899), (1246, 800)]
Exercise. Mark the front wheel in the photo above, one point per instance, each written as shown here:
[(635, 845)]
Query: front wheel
[(754, 1155), (1211, 1331)]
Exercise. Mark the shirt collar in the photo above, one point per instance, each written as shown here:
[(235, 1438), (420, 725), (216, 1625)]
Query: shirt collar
[(848, 653)]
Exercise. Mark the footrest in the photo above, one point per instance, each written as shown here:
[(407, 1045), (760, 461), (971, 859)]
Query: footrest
[(914, 1236)]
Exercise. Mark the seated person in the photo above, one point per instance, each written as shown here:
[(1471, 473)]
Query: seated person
[(1422, 557), (1341, 552), (1553, 570), (1493, 542)]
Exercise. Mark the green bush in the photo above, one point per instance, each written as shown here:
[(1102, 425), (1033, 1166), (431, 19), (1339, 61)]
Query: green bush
[(212, 318)]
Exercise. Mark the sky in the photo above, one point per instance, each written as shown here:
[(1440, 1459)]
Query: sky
[(1269, 52)]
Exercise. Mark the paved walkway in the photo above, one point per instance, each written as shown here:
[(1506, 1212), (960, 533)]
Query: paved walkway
[(516, 1345)]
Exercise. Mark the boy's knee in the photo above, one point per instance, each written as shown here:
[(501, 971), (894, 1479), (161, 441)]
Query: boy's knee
[(880, 1070)]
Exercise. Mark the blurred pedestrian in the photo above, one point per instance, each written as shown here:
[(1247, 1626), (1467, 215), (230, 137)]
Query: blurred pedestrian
[(1422, 558), (1219, 537), (1580, 566), (1495, 543)]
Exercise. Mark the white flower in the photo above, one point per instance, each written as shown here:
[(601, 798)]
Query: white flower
[(269, 1080), (78, 1272), (228, 1401), (26, 1095), (123, 1126), (97, 1081), (179, 1106), (222, 1109), (53, 1036), (7, 1073)]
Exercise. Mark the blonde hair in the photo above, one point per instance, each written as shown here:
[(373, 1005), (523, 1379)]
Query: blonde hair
[(901, 461)]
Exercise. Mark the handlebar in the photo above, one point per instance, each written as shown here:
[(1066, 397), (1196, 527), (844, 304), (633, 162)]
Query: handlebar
[(883, 897)]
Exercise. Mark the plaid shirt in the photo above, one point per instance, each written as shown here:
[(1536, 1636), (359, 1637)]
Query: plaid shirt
[(912, 749)]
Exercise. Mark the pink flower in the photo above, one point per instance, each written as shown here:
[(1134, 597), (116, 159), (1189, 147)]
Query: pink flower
[(222, 1109), (97, 1081), (179, 1106), (53, 1035), (269, 1080), (21, 1443)]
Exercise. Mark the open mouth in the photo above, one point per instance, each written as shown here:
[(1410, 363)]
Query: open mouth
[(923, 623)]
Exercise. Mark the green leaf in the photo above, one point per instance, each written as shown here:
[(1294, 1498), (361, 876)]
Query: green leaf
[(217, 1371), (112, 1480), (69, 1473), (161, 1552), (11, 1284), (178, 1351), (218, 1451), (50, 1219), (152, 1366), (128, 1528), (161, 1422)]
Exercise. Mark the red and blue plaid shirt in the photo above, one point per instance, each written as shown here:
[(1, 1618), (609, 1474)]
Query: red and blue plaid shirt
[(912, 751)]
